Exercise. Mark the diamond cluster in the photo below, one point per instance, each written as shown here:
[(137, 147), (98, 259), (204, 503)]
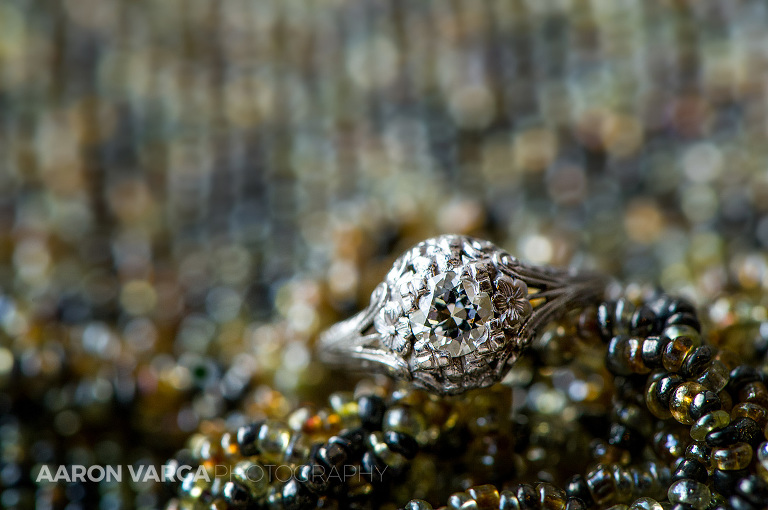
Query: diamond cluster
[(452, 315), (442, 300)]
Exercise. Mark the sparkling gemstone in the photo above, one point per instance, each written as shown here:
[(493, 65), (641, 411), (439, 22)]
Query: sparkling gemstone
[(452, 315)]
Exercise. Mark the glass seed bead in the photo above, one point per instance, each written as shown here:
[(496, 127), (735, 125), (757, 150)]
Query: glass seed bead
[(690, 492), (382, 450), (724, 481), (486, 496), (688, 468), (715, 377), (682, 398), (620, 506), (405, 419), (731, 458), (754, 392), (650, 479), (527, 496), (602, 485), (461, 501), (653, 403), (624, 482), (575, 504), (371, 409), (708, 423), (194, 488), (229, 444), (700, 452), (401, 443), (634, 356), (246, 439), (235, 495), (749, 410), (652, 351), (643, 321), (577, 487), (623, 316), (762, 454), (298, 449), (253, 476), (508, 501), (551, 497), (344, 404), (684, 319), (753, 489), (703, 403), (677, 350), (726, 402), (669, 445), (697, 362), (741, 376), (417, 504), (645, 504), (682, 341), (617, 356), (273, 440), (606, 320)]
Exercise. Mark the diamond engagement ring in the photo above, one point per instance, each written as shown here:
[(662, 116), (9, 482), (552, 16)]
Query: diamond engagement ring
[(454, 313)]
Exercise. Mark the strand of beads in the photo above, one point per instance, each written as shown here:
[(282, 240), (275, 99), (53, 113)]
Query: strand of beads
[(698, 386), (713, 426), (343, 455)]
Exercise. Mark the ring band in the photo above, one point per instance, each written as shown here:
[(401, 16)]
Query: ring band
[(454, 313)]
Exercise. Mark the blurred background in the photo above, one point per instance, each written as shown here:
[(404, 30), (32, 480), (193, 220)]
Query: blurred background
[(191, 190)]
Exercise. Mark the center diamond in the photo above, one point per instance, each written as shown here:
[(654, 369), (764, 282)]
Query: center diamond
[(452, 315)]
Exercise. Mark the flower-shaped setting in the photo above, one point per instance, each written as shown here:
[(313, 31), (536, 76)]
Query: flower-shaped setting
[(511, 301), (453, 314)]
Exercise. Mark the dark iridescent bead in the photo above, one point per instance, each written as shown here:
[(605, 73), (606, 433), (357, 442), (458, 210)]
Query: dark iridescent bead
[(401, 443), (699, 451), (739, 503), (725, 482), (371, 409), (660, 306), (740, 430), (627, 438), (606, 319), (644, 322), (316, 478), (682, 506), (602, 484), (725, 436), (703, 403), (334, 453), (680, 305), (653, 351), (616, 356), (666, 388), (689, 468), (753, 489), (246, 438), (373, 468), (575, 504), (576, 487), (296, 497), (235, 495), (749, 431), (684, 319), (527, 496), (355, 439), (697, 361), (741, 376)]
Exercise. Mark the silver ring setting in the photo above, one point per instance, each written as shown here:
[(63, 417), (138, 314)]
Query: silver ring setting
[(454, 313)]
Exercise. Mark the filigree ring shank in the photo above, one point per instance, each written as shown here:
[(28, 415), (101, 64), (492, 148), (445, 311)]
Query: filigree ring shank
[(454, 313)]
